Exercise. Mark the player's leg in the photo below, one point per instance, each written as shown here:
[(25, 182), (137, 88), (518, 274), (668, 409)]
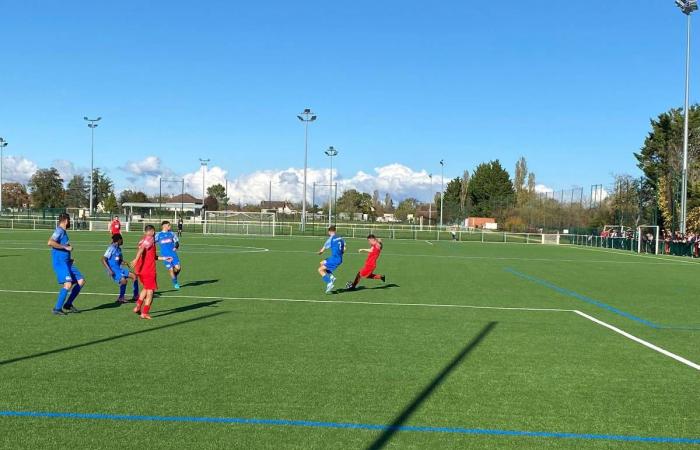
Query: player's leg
[(61, 299), (122, 290), (374, 276), (135, 281), (147, 304), (142, 297), (78, 283)]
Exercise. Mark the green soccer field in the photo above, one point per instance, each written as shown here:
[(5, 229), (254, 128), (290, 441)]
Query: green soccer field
[(467, 345)]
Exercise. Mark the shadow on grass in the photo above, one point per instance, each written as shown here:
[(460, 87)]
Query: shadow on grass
[(190, 307), (365, 288), (9, 256), (108, 339), (408, 411), (199, 283), (110, 305)]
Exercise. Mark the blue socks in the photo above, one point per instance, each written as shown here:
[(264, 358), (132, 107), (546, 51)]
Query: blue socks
[(327, 278), (74, 293), (62, 294), (122, 290), (136, 288)]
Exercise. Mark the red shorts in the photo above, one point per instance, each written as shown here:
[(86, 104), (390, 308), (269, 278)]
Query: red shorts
[(367, 271), (148, 281)]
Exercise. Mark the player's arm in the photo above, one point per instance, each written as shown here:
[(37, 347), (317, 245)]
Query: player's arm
[(176, 241), (139, 254), (54, 244), (106, 266), (326, 245)]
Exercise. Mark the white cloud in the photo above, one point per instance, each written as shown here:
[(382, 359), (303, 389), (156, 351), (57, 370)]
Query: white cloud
[(68, 170), (149, 166), (541, 189), (18, 169)]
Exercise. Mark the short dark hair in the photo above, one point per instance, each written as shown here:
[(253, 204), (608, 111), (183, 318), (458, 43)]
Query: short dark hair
[(149, 228), (371, 236), (331, 228), (116, 238), (165, 222), (63, 216)]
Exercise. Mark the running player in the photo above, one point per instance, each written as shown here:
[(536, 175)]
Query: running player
[(66, 273), (374, 250), (112, 262), (115, 226), (144, 265), (336, 244), (168, 243)]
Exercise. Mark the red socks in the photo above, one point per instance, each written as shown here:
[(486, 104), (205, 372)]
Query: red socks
[(146, 309)]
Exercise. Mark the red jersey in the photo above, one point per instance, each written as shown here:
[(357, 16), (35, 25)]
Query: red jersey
[(373, 255), (147, 263), (115, 227)]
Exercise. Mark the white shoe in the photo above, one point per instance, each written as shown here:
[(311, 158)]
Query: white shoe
[(329, 287), (332, 279)]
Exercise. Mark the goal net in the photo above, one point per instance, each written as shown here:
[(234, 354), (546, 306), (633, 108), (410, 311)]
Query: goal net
[(648, 239), (551, 239), (240, 223)]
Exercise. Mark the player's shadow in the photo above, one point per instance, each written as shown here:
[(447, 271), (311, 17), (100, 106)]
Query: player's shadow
[(8, 256), (402, 418), (190, 307), (110, 305), (366, 288), (199, 283)]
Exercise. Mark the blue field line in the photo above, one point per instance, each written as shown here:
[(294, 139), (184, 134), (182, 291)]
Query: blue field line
[(352, 426), (583, 298)]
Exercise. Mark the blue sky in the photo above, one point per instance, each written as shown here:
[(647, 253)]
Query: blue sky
[(396, 85)]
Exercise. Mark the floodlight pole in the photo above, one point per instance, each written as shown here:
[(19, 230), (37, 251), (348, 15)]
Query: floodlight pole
[(687, 6), (92, 124), (306, 116), (430, 203), (204, 162), (442, 189), (3, 144), (331, 152)]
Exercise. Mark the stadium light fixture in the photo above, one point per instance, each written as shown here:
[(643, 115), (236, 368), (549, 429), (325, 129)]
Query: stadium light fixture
[(442, 188), (306, 117), (92, 124), (331, 152), (430, 202), (3, 144), (687, 7)]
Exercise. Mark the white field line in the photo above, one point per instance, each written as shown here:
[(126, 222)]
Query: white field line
[(429, 243), (242, 250), (426, 305), (616, 251), (640, 341), (295, 300), (231, 250)]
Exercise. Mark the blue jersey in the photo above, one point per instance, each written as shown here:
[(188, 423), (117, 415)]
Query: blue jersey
[(114, 257), (336, 244), (167, 242), (60, 256)]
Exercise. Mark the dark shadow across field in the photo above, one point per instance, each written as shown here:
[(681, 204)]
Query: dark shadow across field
[(107, 339), (408, 411)]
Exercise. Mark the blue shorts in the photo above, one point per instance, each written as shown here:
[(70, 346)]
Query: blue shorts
[(120, 273), (173, 263), (67, 273), (332, 263)]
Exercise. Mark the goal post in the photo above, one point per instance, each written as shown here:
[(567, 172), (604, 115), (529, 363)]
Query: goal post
[(240, 223), (648, 239), (550, 239)]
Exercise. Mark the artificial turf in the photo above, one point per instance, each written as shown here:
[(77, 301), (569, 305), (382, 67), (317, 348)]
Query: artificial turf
[(329, 371)]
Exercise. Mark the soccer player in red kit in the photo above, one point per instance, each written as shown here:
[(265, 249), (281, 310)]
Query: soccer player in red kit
[(115, 226), (145, 268), (370, 266)]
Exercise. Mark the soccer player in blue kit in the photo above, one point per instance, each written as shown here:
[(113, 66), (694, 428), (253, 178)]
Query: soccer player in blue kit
[(112, 261), (169, 244), (336, 245), (66, 273)]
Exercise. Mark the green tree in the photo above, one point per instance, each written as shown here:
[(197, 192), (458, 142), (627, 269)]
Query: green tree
[(129, 196), (218, 191), (46, 189), (353, 201), (464, 192), (212, 204), (77, 192), (521, 192), (388, 203), (406, 207), (491, 190), (14, 195), (110, 204), (102, 187)]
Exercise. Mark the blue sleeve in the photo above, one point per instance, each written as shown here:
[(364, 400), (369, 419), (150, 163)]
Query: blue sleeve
[(57, 235), (328, 243), (109, 252)]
